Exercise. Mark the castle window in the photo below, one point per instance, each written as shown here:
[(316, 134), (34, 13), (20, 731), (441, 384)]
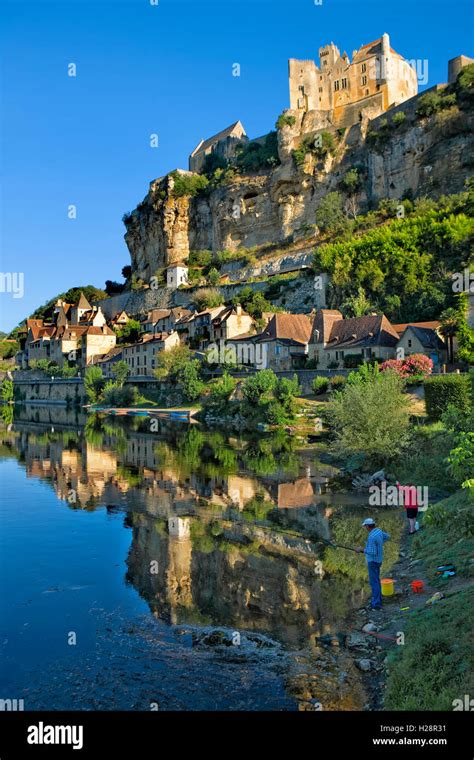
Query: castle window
[(364, 80), (320, 90), (364, 67), (344, 84), (336, 84)]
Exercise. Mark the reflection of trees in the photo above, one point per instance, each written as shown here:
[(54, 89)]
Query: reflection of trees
[(97, 428), (194, 452), (265, 456)]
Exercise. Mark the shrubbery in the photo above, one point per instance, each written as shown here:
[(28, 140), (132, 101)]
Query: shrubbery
[(443, 390), (412, 256), (253, 156), (207, 298), (416, 365), (320, 385), (188, 184), (370, 416)]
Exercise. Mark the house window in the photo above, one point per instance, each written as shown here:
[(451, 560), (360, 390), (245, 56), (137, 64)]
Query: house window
[(277, 350), (409, 344), (364, 80)]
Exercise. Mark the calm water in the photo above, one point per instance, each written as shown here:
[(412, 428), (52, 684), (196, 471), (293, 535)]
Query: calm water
[(170, 570)]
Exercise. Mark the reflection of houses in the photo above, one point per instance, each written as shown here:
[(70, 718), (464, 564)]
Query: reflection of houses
[(299, 493)]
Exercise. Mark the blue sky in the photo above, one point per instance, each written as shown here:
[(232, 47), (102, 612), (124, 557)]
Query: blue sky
[(144, 69)]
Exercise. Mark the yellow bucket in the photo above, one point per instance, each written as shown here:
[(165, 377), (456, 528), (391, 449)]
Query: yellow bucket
[(387, 586)]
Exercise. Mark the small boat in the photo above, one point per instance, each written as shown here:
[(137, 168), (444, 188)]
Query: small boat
[(137, 413)]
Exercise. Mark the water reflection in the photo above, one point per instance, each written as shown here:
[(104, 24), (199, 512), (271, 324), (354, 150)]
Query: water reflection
[(224, 531)]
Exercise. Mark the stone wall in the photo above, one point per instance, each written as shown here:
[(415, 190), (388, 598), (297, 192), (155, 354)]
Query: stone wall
[(59, 391)]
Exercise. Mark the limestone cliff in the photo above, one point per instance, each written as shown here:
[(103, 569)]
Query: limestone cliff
[(423, 156)]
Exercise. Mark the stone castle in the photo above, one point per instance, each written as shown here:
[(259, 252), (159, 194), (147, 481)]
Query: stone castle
[(376, 78), (278, 203)]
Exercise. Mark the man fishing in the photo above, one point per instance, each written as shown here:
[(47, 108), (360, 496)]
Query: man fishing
[(374, 554)]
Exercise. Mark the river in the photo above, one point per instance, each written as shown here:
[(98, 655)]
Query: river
[(173, 570)]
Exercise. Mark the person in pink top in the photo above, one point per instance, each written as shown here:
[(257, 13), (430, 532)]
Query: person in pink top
[(409, 498)]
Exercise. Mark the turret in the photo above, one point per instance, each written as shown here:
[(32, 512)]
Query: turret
[(384, 57)]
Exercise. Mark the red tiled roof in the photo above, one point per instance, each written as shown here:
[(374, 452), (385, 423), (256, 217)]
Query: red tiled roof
[(434, 325), (368, 330), (94, 330), (323, 322), (294, 327)]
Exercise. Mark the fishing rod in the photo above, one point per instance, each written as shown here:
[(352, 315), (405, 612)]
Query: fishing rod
[(335, 546)]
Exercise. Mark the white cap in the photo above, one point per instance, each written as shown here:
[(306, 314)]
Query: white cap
[(369, 521)]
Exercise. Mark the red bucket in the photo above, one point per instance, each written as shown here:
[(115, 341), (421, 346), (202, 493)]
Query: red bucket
[(417, 587)]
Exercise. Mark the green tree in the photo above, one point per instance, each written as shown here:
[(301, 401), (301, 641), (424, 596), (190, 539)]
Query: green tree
[(129, 333), (213, 276), (189, 380), (330, 215), (94, 382), (370, 419), (450, 324), (357, 305), (259, 386), (120, 372), (6, 390), (171, 363)]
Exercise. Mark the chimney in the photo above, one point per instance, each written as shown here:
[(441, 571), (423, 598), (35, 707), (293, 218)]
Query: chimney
[(238, 310)]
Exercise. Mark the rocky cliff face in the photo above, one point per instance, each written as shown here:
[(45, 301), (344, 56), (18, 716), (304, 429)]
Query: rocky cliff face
[(426, 157)]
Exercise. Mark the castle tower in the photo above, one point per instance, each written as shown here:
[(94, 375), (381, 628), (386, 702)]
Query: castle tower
[(384, 60), (376, 79)]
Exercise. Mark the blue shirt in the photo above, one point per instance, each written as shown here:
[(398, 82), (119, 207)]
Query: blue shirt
[(374, 546)]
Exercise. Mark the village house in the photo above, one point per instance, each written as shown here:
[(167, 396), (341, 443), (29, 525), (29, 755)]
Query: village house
[(231, 322), (80, 313), (120, 320), (422, 338), (337, 342), (77, 334), (285, 339), (176, 275), (163, 320), (141, 356), (107, 362), (199, 326)]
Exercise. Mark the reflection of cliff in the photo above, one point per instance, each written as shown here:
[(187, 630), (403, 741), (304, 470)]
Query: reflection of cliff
[(268, 586)]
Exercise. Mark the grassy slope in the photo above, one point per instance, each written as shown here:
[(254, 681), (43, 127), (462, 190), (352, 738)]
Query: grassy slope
[(436, 664)]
